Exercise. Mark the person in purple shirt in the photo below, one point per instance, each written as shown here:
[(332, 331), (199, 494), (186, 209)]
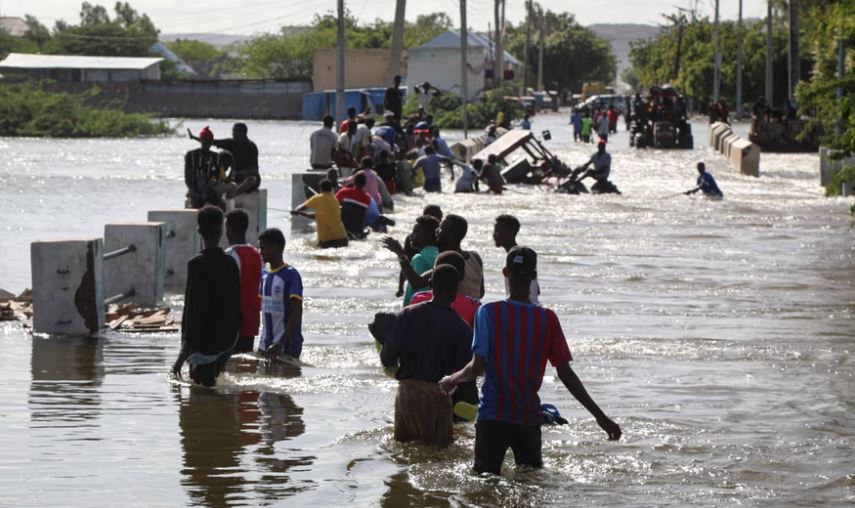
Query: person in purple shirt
[(512, 341)]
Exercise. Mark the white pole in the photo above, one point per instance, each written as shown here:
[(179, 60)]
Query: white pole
[(397, 40), (739, 36), (464, 71), (717, 75), (339, 60), (770, 90)]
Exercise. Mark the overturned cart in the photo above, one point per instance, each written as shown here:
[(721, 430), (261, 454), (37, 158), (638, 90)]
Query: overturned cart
[(530, 162)]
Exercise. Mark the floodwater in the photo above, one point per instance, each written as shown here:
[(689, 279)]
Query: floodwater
[(718, 334)]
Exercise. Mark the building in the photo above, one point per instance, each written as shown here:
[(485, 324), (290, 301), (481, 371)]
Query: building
[(15, 27), (438, 62), (363, 68), (73, 68)]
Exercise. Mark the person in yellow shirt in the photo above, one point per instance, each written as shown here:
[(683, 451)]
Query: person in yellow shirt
[(331, 232)]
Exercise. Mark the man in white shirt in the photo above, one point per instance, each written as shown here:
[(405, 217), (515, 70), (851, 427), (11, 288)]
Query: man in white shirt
[(505, 235), (323, 142)]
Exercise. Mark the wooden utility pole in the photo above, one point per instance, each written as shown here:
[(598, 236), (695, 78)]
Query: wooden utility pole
[(339, 60), (498, 60), (739, 36), (527, 44), (717, 74), (540, 51), (841, 69), (794, 73), (770, 89), (397, 41), (464, 67)]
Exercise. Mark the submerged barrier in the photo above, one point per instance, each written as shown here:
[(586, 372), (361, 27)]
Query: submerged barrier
[(464, 150), (743, 155), (136, 262)]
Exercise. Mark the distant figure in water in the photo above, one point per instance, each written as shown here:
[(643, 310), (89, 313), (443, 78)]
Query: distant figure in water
[(513, 359), (212, 312), (706, 184)]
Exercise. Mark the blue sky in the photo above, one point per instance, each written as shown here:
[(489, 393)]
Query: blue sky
[(253, 16)]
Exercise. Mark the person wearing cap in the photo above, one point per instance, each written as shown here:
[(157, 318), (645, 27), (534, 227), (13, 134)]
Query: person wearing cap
[(245, 171), (512, 341), (706, 184), (429, 339), (203, 171)]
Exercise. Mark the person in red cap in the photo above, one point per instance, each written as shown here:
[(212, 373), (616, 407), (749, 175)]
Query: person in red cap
[(203, 171)]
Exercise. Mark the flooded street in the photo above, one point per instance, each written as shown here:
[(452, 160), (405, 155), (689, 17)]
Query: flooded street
[(719, 335)]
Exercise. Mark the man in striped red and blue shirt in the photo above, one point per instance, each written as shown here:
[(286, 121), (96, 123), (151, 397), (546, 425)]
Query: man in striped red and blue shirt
[(512, 341)]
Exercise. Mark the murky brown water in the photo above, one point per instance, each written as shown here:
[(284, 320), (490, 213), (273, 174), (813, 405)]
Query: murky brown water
[(718, 334)]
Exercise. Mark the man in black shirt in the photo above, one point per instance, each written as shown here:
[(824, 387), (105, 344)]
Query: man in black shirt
[(245, 173), (429, 340), (211, 320), (392, 99)]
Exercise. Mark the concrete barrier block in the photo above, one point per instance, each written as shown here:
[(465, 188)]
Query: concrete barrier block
[(182, 243), (716, 130), (255, 204), (745, 156), (68, 294), (144, 269), (726, 142)]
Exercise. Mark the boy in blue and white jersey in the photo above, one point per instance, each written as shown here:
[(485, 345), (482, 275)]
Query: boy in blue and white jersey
[(281, 300)]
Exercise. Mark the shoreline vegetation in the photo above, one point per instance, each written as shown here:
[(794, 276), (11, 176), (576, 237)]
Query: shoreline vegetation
[(28, 109)]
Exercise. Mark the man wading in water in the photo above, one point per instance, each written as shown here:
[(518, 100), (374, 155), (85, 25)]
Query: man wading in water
[(512, 341)]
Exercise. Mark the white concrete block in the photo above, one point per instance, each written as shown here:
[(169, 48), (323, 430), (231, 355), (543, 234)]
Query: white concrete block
[(716, 130), (255, 205), (726, 142), (68, 294), (182, 243), (745, 157), (144, 269)]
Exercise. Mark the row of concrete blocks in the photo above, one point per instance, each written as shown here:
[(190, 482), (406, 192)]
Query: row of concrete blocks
[(464, 150), (743, 155), (136, 262)]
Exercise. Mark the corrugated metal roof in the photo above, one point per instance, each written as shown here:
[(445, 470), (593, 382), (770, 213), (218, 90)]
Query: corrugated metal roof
[(452, 40), (32, 61)]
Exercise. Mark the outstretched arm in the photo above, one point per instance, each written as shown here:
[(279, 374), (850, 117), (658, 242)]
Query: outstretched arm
[(472, 370), (577, 389)]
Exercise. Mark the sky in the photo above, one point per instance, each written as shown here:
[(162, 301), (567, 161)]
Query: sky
[(247, 17)]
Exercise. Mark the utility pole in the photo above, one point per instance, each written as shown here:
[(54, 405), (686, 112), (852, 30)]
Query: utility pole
[(501, 41), (841, 68), (770, 89), (527, 44), (678, 55), (397, 41), (540, 51), (717, 75), (464, 67), (339, 60), (739, 37), (498, 61), (793, 53)]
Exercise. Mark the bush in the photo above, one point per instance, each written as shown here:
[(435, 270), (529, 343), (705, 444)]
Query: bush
[(447, 109), (27, 109)]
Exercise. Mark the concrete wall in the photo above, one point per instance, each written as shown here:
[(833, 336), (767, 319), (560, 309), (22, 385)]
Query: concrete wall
[(282, 100), (441, 67), (363, 68)]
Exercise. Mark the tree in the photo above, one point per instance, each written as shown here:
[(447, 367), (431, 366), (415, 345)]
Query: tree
[(572, 54), (128, 34), (205, 58)]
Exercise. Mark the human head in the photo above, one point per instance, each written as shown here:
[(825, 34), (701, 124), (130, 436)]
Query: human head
[(237, 222), (239, 131), (701, 167), (332, 176), (492, 159), (384, 155), (452, 258), (601, 146), (424, 231), (329, 121), (397, 81), (520, 265), (429, 150), (359, 180), (326, 185), (433, 211), (206, 136), (366, 162), (369, 122), (587, 114), (209, 221), (491, 130), (505, 231), (444, 281), (478, 164), (452, 230), (271, 243), (351, 112)]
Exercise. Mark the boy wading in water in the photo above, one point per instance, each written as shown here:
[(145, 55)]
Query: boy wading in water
[(511, 343), (281, 300), (249, 265), (212, 310)]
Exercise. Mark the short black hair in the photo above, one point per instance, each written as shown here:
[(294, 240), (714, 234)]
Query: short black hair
[(433, 211), (326, 185), (457, 224), (366, 162), (352, 126), (209, 218), (237, 220), (445, 278), (328, 120), (359, 180), (429, 149), (510, 222), (427, 221), (369, 122), (273, 236), (452, 258), (240, 127)]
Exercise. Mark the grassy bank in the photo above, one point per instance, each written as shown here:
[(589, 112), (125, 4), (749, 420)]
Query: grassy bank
[(27, 109)]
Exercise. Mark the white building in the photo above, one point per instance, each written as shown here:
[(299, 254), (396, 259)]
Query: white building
[(73, 68), (438, 62)]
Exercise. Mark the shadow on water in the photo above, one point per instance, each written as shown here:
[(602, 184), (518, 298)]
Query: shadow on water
[(230, 439)]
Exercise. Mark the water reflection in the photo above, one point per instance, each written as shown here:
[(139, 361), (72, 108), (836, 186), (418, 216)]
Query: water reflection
[(230, 437), (67, 373)]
